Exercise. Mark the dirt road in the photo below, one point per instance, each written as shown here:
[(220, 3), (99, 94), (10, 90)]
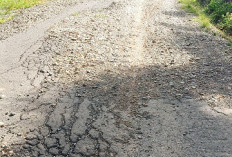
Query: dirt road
[(113, 78)]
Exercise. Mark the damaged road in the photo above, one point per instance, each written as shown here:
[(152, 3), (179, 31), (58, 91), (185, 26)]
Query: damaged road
[(113, 78)]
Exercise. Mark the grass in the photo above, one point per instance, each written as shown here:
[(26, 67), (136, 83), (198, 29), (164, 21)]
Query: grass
[(5, 19), (101, 16), (7, 6), (205, 22), (76, 14), (17, 4), (193, 6)]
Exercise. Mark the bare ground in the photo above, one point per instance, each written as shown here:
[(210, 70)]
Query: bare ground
[(113, 78)]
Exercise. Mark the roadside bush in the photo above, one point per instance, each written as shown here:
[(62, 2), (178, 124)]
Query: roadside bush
[(204, 2), (226, 23), (218, 10)]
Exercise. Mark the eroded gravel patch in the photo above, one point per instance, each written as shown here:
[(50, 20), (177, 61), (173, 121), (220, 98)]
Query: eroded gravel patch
[(26, 18), (90, 49)]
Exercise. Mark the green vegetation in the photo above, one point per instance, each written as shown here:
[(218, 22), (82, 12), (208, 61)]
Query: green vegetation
[(17, 4), (100, 15), (194, 7), (5, 19), (6, 7), (212, 12), (76, 14)]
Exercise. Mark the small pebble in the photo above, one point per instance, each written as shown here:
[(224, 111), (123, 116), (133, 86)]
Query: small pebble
[(2, 124), (139, 137), (11, 114), (2, 96), (53, 104)]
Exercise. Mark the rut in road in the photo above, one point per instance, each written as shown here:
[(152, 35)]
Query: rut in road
[(117, 78)]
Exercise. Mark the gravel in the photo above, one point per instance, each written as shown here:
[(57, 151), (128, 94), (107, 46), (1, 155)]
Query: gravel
[(23, 19)]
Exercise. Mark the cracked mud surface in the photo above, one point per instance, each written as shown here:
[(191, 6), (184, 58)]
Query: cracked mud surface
[(114, 78)]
